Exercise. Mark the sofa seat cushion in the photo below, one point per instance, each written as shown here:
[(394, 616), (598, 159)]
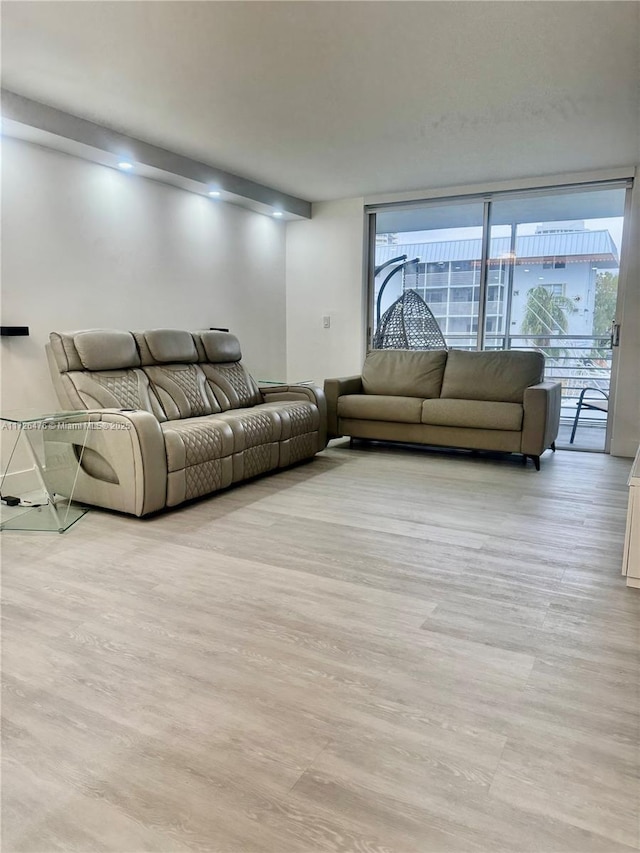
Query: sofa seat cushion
[(199, 457), (196, 440), (252, 427), (494, 376), (474, 414), (378, 407), (297, 417), (301, 427), (405, 373)]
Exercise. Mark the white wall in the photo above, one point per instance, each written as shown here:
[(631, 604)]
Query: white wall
[(324, 272), (85, 246)]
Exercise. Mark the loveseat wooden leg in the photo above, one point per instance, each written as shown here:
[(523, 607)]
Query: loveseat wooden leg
[(536, 462), (553, 446)]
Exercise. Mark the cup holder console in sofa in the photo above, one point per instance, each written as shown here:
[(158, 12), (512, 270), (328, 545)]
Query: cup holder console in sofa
[(179, 417)]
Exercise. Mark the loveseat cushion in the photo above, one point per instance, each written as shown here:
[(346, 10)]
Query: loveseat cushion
[(491, 376), (404, 373), (379, 407), (474, 414)]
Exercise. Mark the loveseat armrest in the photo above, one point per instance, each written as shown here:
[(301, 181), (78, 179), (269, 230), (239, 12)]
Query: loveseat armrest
[(334, 388), (315, 395), (123, 464), (541, 420)]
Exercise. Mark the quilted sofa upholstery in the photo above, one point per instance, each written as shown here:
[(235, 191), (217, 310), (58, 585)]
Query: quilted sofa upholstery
[(475, 400), (177, 416)]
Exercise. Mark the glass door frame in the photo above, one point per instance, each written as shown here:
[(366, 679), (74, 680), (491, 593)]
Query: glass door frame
[(487, 198)]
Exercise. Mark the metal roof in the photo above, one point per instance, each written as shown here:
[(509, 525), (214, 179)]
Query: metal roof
[(598, 245)]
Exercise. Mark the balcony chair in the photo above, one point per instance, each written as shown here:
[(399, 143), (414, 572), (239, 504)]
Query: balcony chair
[(594, 404), (409, 324)]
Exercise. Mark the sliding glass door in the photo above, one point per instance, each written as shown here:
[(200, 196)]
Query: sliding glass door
[(435, 252), (562, 255), (536, 270)]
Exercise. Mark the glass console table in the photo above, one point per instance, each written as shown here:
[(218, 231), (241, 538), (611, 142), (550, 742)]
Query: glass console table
[(265, 382), (32, 461)]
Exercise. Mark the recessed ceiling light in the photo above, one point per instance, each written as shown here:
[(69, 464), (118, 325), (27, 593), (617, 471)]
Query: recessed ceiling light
[(125, 165), (214, 193), (540, 278), (526, 270), (277, 213)]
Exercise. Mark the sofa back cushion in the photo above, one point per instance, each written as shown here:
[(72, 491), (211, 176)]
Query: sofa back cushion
[(183, 390), (99, 368), (220, 347), (94, 349), (170, 372), (166, 346), (404, 373), (106, 350), (111, 389), (492, 376), (233, 387), (226, 376)]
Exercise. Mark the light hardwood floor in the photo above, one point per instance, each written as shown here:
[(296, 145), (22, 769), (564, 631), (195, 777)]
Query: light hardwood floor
[(386, 649)]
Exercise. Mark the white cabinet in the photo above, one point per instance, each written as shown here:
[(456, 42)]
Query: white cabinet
[(631, 558)]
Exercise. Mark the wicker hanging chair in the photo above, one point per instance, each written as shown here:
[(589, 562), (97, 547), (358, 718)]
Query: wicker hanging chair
[(409, 324)]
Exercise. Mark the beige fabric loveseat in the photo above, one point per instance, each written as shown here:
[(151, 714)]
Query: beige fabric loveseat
[(476, 400), (177, 417)]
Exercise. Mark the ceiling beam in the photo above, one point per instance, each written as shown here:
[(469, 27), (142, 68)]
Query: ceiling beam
[(45, 125)]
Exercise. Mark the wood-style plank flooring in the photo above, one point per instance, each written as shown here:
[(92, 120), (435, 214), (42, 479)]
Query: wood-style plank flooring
[(385, 650)]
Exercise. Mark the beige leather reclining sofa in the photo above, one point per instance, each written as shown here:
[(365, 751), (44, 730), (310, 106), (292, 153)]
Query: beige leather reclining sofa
[(475, 400), (179, 417)]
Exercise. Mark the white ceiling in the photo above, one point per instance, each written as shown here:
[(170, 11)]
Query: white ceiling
[(330, 100)]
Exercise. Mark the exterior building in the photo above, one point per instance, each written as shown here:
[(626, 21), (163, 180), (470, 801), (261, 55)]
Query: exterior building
[(563, 258)]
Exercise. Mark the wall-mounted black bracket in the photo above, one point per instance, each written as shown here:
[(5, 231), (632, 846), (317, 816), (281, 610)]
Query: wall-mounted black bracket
[(13, 331)]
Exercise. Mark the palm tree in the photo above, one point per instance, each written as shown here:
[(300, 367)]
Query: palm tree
[(545, 316)]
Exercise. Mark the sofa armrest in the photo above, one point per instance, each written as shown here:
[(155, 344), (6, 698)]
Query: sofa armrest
[(541, 420), (123, 464), (334, 388), (315, 395)]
